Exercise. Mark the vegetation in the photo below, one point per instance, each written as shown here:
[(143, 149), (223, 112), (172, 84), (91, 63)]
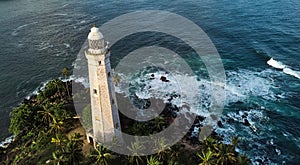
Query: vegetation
[(43, 124)]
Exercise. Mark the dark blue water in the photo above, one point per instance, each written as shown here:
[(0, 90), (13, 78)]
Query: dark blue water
[(39, 38)]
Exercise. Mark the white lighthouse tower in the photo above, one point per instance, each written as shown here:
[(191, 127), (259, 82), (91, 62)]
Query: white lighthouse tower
[(105, 116)]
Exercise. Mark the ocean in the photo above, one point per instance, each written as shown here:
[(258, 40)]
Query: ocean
[(258, 42)]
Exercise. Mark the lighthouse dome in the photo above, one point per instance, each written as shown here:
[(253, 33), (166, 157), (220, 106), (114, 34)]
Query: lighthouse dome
[(96, 41), (95, 34)]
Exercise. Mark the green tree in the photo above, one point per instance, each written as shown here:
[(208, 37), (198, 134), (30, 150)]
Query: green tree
[(57, 158), (68, 149), (158, 122), (73, 149), (116, 79), (234, 142), (56, 126), (206, 157), (210, 142), (163, 149), (100, 155), (224, 154), (65, 72), (22, 119), (243, 159), (135, 158), (153, 161)]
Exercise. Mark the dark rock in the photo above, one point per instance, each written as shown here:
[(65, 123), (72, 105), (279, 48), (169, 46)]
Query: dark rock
[(200, 118), (230, 120), (25, 101), (246, 122), (164, 79), (194, 140), (220, 124), (174, 114)]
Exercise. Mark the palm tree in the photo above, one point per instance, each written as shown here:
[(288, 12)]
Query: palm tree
[(175, 151), (162, 149), (101, 155), (209, 143), (58, 139), (56, 126), (243, 159), (65, 72), (135, 149), (73, 149), (58, 158), (153, 161), (224, 154), (234, 141), (116, 79), (58, 84), (206, 158), (158, 122), (139, 128), (47, 117)]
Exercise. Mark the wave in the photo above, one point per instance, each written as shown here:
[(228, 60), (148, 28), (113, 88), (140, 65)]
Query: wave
[(292, 72), (240, 85), (16, 31), (276, 64), (286, 69), (44, 45), (240, 123), (67, 45), (7, 141), (60, 14), (42, 85), (243, 84), (65, 5)]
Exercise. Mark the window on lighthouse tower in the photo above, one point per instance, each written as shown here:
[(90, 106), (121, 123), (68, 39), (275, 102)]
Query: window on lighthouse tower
[(95, 91)]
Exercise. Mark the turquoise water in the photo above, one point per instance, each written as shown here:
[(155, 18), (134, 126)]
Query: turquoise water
[(39, 38)]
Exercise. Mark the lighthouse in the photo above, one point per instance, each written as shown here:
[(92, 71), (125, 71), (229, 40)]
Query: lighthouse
[(104, 109)]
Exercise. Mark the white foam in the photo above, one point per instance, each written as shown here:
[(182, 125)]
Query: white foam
[(243, 84), (187, 93), (276, 64), (7, 141), (60, 14), (65, 5), (286, 69), (44, 45), (67, 45), (40, 88), (292, 72), (83, 80)]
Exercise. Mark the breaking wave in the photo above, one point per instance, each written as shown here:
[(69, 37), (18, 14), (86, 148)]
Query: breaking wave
[(286, 69)]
